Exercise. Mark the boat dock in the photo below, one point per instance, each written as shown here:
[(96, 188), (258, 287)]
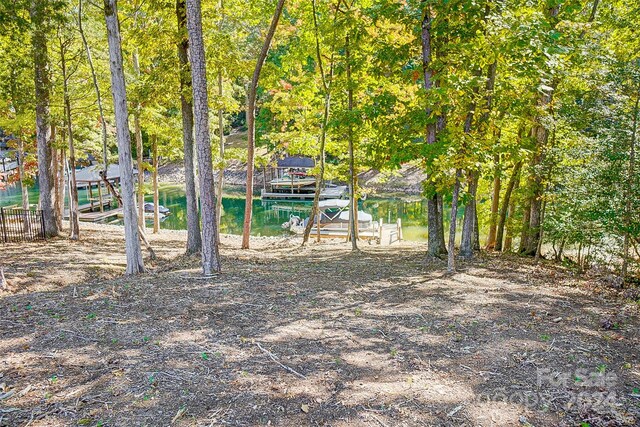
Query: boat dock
[(334, 192), (380, 233), (88, 213), (99, 216)]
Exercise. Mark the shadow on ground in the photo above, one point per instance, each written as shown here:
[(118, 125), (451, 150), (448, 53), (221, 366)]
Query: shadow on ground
[(315, 336)]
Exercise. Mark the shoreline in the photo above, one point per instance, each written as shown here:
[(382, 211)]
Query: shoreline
[(405, 183)]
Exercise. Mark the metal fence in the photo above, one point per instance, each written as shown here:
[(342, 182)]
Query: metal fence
[(18, 225)]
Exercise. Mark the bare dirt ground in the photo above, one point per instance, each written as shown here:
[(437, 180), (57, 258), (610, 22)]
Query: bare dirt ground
[(316, 336)]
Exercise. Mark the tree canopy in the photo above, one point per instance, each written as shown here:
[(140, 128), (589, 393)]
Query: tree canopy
[(525, 113)]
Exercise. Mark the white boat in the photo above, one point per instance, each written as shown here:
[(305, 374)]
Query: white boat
[(334, 219), (149, 206), (292, 181)]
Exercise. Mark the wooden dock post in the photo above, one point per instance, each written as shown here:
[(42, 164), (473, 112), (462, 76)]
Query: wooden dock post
[(100, 196), (380, 231), (399, 223), (90, 196)]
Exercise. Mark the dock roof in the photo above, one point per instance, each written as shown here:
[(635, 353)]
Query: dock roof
[(92, 173), (296, 162)]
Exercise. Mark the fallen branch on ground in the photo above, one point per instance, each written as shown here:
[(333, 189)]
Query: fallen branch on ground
[(268, 353)]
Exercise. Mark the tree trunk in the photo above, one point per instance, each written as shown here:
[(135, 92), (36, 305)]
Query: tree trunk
[(524, 234), (469, 228), (139, 147), (221, 154), (530, 240), (56, 158), (156, 194), (515, 176), (194, 238), (43, 129), (326, 85), (495, 204), (220, 188), (140, 166), (94, 78), (74, 222), (508, 238), (476, 227), (540, 240), (440, 224), (135, 263), (23, 187), (210, 255), (353, 204), (451, 262), (469, 222), (435, 245), (468, 233), (74, 215), (631, 179), (63, 179), (541, 135), (251, 123)]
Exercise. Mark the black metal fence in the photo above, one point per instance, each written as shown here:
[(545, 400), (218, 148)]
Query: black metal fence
[(18, 225)]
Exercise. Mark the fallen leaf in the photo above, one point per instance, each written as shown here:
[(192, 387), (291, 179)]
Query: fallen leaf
[(305, 408)]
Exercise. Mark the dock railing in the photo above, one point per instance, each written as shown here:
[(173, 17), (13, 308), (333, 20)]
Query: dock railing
[(18, 225)]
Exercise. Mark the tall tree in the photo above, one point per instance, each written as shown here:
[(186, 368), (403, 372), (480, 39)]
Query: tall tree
[(451, 257), (210, 255), (96, 87), (74, 215), (540, 134), (137, 130), (434, 213), (194, 237), (221, 139), (353, 201), (479, 123), (22, 172), (515, 176), (632, 180), (39, 22), (133, 251), (251, 122), (327, 81), (154, 180)]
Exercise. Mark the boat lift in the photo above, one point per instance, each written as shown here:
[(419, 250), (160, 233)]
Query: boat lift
[(333, 222)]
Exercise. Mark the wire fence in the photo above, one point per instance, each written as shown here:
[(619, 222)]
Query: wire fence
[(18, 225)]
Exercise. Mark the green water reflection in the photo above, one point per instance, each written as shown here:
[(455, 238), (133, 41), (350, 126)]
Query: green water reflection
[(267, 216)]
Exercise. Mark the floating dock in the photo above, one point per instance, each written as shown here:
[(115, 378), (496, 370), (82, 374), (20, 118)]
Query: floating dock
[(382, 234), (99, 216), (87, 211)]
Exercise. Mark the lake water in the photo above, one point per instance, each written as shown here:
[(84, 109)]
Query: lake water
[(267, 216)]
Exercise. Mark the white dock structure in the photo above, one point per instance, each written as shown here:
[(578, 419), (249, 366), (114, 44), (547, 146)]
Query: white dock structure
[(333, 223)]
